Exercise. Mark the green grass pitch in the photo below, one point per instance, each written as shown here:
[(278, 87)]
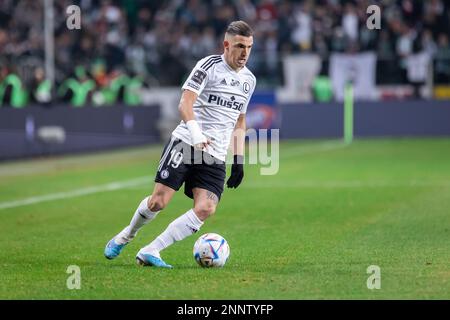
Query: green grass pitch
[(308, 232)]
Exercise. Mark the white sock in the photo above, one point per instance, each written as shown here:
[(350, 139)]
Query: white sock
[(179, 229), (141, 217)]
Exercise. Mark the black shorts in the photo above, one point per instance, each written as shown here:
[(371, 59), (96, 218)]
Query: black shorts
[(180, 163)]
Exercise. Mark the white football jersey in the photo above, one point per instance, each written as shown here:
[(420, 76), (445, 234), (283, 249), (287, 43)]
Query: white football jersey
[(223, 94)]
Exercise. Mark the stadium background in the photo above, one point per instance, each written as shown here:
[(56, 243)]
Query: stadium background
[(115, 83), (138, 53)]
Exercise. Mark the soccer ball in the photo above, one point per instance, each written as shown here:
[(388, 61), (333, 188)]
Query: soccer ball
[(211, 250)]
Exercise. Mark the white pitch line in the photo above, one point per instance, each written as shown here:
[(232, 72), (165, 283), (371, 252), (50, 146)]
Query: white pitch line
[(144, 180), (60, 163), (112, 186)]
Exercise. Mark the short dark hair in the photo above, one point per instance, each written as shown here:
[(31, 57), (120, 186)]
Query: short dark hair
[(239, 28)]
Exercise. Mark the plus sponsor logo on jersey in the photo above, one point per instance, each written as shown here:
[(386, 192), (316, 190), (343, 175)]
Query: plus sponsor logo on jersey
[(232, 103)]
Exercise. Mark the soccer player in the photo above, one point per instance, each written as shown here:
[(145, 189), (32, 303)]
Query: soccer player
[(212, 108)]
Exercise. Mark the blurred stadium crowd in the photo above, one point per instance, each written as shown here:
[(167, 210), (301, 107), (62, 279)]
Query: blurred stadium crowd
[(159, 41)]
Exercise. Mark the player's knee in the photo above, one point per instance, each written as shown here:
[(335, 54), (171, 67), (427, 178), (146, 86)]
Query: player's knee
[(205, 209), (156, 203)]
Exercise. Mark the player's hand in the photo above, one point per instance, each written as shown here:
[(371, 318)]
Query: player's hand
[(237, 172), (202, 145)]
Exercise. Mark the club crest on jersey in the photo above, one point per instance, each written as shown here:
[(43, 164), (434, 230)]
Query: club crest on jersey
[(246, 87), (232, 103)]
